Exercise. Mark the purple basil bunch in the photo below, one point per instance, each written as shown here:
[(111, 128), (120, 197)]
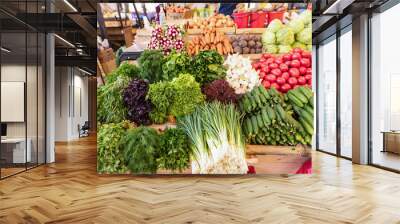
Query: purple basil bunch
[(138, 107)]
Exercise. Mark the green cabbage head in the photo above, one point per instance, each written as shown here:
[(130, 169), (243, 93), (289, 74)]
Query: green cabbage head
[(305, 36), (296, 25), (285, 36), (275, 25), (282, 49), (268, 37), (271, 48)]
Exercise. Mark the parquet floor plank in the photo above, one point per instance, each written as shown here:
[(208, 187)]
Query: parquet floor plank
[(70, 191)]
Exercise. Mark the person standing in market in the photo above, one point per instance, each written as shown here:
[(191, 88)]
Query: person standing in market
[(227, 8)]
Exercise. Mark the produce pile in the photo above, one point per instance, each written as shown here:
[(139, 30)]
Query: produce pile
[(285, 72), (216, 21), (269, 118), (247, 44), (280, 38), (211, 39), (220, 101), (167, 38)]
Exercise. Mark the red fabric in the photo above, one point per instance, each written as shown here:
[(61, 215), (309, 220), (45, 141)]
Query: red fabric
[(251, 170), (306, 168)]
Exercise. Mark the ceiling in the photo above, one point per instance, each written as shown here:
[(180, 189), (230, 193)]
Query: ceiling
[(331, 15), (74, 22)]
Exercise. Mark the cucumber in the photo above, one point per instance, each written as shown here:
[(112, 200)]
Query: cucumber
[(309, 129), (295, 100), (265, 116), (306, 91), (281, 112), (300, 96), (261, 95), (254, 124), (260, 121), (311, 101), (271, 113), (246, 104), (249, 127), (264, 92), (309, 109), (307, 117)]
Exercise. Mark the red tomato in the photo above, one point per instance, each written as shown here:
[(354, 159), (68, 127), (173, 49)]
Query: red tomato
[(265, 69), (294, 72), (288, 63), (295, 86), (305, 62), (276, 72), (262, 75), (296, 56), (309, 82), (270, 78), (262, 60), (295, 63), (287, 57), (285, 75), (284, 67), (302, 70), (276, 86), (309, 71), (306, 54), (273, 66), (301, 80), (308, 77), (278, 61), (266, 55), (280, 80), (297, 50), (266, 84), (292, 81), (269, 61), (285, 87)]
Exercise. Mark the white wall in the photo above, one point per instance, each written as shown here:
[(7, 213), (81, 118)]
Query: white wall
[(71, 102)]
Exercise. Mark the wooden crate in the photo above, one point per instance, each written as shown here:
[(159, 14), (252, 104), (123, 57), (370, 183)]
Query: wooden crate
[(225, 30), (250, 31)]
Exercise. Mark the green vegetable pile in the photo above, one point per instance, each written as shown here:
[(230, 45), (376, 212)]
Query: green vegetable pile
[(146, 151), (175, 64), (126, 70), (187, 95), (141, 149), (269, 120), (160, 95), (302, 101), (207, 66), (151, 65), (110, 156), (281, 38), (110, 106), (174, 152)]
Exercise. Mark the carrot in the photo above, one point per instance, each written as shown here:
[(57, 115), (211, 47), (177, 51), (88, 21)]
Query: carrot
[(219, 49)]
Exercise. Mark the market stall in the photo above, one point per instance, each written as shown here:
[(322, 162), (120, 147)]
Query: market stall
[(211, 94)]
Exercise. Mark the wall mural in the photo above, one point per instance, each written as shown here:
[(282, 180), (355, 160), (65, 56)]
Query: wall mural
[(217, 88)]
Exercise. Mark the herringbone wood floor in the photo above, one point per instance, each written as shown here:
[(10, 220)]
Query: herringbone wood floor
[(70, 191)]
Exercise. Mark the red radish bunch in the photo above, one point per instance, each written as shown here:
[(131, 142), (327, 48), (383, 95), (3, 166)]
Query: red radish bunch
[(167, 38), (286, 71)]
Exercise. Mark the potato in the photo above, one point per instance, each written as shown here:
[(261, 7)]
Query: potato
[(243, 43), (246, 50), (237, 50), (251, 43), (252, 51)]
